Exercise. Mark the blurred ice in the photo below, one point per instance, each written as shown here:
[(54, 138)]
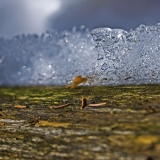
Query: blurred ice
[(52, 58), (55, 58), (128, 57)]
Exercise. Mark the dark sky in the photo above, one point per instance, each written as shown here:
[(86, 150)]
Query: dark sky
[(126, 14)]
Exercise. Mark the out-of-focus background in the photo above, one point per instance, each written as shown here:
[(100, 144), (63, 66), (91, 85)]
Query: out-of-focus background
[(37, 16), (56, 57)]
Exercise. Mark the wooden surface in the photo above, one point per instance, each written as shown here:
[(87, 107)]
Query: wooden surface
[(127, 127)]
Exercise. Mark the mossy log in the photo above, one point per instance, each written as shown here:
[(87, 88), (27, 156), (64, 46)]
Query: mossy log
[(50, 122)]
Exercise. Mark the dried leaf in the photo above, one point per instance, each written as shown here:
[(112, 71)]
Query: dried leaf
[(76, 81)]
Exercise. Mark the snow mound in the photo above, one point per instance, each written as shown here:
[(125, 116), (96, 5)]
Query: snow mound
[(127, 57)]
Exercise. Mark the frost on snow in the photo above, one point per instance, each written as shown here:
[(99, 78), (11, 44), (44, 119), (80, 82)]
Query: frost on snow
[(107, 56)]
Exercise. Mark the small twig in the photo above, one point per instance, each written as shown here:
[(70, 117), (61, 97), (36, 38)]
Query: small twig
[(84, 103), (19, 106), (61, 106), (97, 105)]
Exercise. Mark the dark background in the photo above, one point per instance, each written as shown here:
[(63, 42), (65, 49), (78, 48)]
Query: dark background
[(37, 16)]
